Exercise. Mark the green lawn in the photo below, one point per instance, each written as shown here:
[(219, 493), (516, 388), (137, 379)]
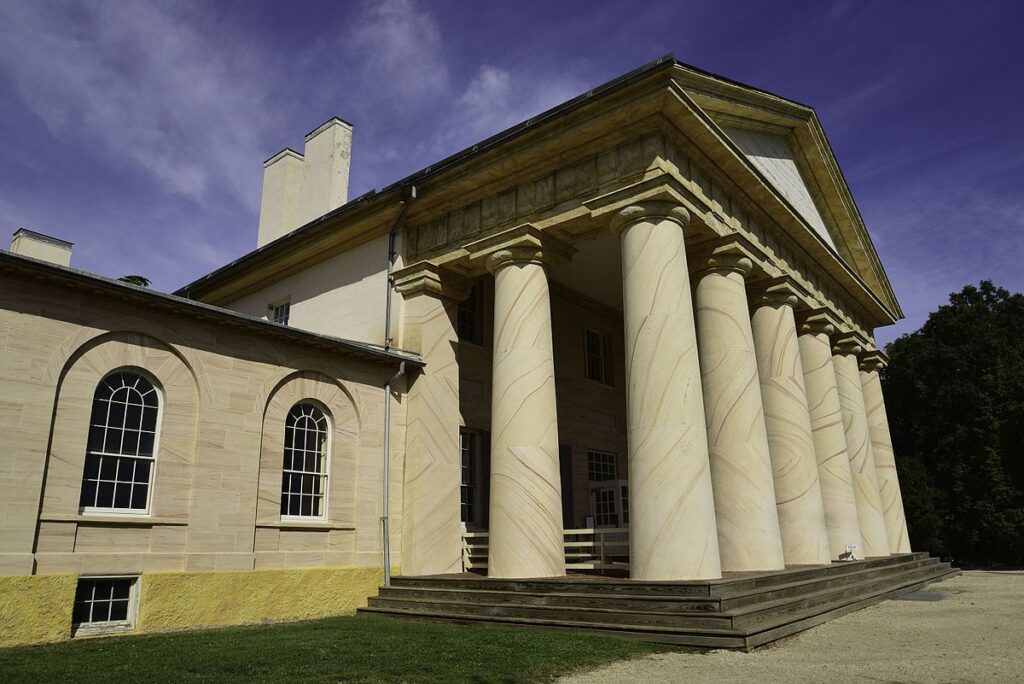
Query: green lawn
[(352, 649)]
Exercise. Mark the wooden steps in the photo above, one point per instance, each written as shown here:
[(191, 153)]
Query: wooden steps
[(736, 612)]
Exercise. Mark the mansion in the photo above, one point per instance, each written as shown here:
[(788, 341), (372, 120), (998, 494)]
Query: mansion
[(643, 318)]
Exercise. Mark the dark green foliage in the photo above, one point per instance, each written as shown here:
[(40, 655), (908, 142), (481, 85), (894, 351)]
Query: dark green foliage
[(955, 399), (345, 649)]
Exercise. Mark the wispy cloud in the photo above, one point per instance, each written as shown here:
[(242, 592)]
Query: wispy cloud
[(141, 81)]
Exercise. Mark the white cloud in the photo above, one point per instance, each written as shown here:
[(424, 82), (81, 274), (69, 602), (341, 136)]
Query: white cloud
[(397, 46), (143, 83)]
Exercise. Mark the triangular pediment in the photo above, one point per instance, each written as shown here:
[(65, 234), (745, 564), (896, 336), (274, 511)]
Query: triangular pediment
[(783, 145)]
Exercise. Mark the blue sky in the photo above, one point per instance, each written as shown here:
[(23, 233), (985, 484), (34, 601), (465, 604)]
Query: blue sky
[(138, 130)]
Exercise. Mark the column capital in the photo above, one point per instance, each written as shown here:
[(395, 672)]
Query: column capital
[(848, 342), (644, 210), (731, 253), (775, 292), (817, 322), (426, 278), (524, 244), (873, 360)]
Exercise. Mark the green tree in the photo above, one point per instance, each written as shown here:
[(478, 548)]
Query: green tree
[(955, 398)]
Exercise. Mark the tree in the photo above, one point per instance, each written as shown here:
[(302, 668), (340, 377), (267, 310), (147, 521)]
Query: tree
[(141, 281), (955, 398)]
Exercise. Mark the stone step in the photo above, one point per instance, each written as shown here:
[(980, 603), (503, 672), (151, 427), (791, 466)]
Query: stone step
[(705, 588), (667, 604), (631, 614), (731, 599), (706, 638), (670, 619), (753, 583)]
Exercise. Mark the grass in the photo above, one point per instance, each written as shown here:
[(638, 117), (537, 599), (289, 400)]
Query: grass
[(342, 649)]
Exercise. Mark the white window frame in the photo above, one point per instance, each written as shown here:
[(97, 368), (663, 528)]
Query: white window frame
[(616, 487), (327, 464), (133, 512), (87, 629)]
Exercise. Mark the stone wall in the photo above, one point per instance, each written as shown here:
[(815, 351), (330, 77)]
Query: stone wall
[(217, 472)]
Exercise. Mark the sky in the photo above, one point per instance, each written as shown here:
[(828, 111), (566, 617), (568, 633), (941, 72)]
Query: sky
[(137, 130)]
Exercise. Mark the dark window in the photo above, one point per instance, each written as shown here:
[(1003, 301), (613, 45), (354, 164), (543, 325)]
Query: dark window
[(103, 600), (279, 313), (600, 466), (304, 479), (604, 508), (122, 438), (470, 317), (597, 357)]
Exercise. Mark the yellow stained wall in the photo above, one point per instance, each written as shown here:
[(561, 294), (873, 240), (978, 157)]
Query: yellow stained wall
[(184, 600), (35, 608)]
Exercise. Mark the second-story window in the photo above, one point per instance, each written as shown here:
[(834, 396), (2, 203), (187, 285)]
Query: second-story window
[(597, 357), (280, 312)]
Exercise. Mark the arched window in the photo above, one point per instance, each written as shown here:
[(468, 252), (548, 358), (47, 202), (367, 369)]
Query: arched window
[(307, 441), (122, 443)]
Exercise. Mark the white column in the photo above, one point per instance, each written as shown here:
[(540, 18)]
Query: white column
[(885, 460), (741, 468), (858, 445), (788, 423), (829, 437), (672, 515), (525, 535)]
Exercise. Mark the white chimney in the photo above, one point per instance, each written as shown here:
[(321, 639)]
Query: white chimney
[(298, 188), (43, 247)]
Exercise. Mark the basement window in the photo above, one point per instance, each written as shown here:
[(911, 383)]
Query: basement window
[(105, 605)]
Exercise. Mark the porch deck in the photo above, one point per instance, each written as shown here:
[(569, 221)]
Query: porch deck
[(741, 610)]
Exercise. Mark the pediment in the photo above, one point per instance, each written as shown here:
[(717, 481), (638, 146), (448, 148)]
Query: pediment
[(783, 145)]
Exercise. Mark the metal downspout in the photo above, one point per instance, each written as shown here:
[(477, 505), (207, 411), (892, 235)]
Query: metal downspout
[(408, 199)]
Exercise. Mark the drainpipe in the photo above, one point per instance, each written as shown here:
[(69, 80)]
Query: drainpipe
[(409, 198)]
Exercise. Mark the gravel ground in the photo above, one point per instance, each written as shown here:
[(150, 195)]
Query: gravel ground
[(966, 629)]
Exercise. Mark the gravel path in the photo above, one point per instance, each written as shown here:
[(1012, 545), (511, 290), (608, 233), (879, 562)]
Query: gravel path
[(966, 629)]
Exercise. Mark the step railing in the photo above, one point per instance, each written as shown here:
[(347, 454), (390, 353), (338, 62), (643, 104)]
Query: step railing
[(592, 548)]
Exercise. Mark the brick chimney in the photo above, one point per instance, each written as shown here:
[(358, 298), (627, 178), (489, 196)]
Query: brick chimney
[(298, 188), (43, 247)]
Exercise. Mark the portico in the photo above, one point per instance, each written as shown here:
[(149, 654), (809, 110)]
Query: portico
[(740, 431), (658, 322)]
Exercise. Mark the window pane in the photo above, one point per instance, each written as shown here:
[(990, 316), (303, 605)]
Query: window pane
[(140, 494), (146, 440), (122, 496), (130, 445), (116, 418), (88, 497), (105, 495), (92, 467)]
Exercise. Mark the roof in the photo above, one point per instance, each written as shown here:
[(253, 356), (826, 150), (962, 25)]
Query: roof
[(159, 300)]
